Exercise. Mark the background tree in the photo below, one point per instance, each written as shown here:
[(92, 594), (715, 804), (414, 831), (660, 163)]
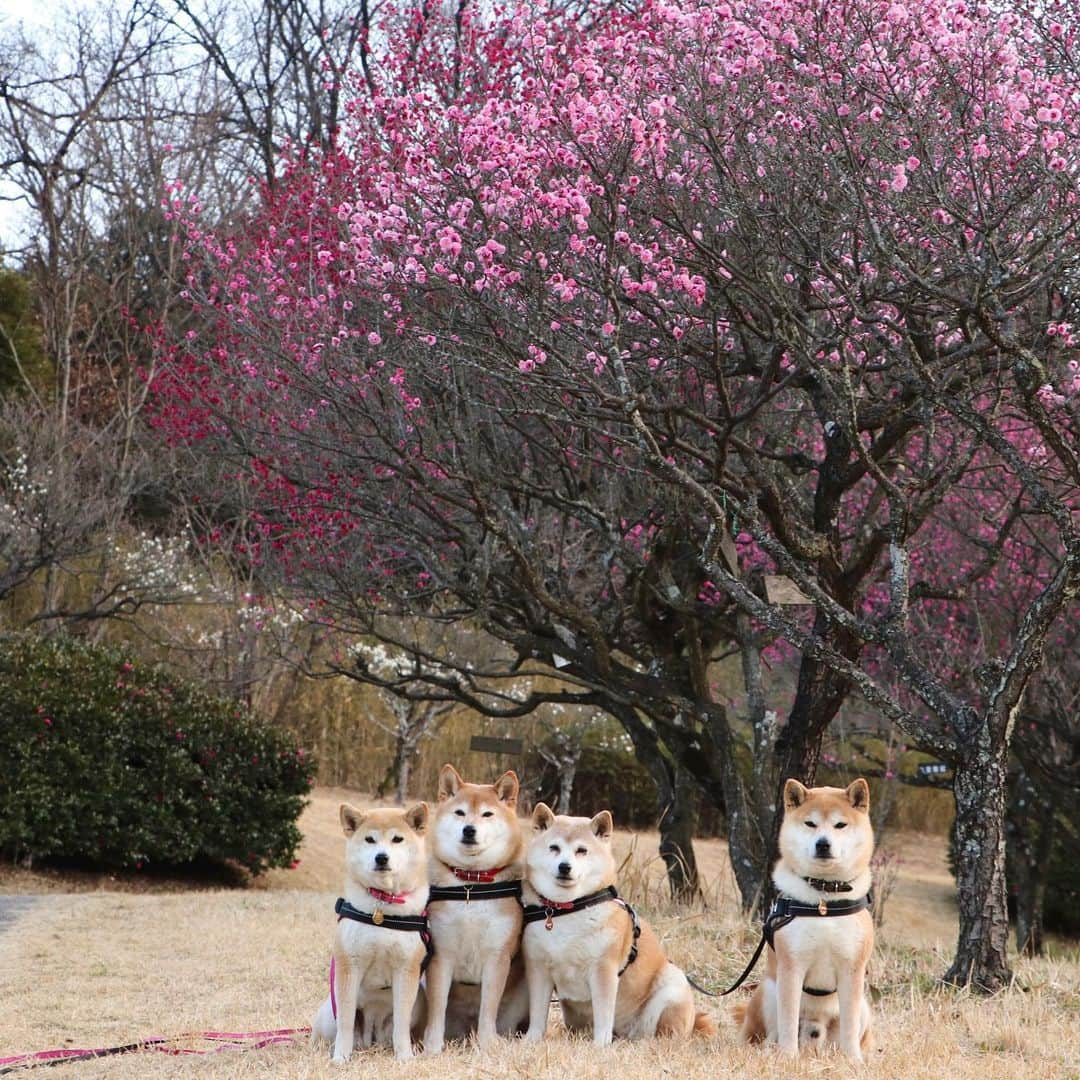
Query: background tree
[(693, 274)]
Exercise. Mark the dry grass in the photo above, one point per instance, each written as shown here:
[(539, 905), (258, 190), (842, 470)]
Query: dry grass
[(104, 967)]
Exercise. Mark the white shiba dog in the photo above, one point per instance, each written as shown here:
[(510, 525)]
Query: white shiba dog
[(581, 939), (382, 938)]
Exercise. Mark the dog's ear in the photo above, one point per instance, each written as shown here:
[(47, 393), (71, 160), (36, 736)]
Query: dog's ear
[(794, 794), (416, 817), (449, 782), (858, 793), (602, 825), (350, 818), (542, 817), (506, 788)]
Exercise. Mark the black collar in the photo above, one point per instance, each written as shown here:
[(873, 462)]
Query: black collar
[(535, 912), (824, 885), (485, 890), (416, 923), (784, 910)]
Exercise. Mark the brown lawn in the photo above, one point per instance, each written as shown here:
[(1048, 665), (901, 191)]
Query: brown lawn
[(103, 959)]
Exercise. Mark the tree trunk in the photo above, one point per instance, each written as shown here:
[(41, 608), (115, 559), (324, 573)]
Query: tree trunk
[(674, 801), (982, 947), (404, 773), (567, 775), (1030, 855)]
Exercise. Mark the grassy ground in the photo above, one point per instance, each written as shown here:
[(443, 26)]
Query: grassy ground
[(96, 964)]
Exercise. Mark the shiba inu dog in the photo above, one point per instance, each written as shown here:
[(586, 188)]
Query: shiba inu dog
[(476, 979), (382, 938), (581, 939), (813, 991)]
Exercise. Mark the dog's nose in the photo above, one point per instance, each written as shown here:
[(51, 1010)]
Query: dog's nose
[(469, 832), (564, 869), (382, 859), (822, 848)]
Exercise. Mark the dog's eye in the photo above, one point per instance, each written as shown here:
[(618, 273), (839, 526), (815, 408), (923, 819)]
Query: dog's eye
[(488, 813), (460, 813), (841, 825), (397, 839), (582, 851), (811, 824), (369, 839), (554, 849)]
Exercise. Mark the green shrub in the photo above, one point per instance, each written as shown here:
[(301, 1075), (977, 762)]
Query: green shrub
[(107, 760)]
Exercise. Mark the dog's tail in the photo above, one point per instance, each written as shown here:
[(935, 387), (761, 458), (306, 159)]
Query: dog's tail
[(704, 1025), (748, 1018)]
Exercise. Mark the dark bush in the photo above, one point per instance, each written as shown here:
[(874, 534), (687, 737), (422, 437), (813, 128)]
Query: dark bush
[(104, 759)]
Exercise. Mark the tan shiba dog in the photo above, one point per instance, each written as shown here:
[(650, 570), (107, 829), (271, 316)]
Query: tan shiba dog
[(379, 950), (813, 992), (605, 963), (476, 979)]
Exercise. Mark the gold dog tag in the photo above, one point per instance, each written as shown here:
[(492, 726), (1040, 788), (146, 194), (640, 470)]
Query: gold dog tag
[(549, 922), (377, 917), (822, 908)]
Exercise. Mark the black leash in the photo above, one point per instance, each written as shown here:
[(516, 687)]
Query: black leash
[(535, 912), (783, 911)]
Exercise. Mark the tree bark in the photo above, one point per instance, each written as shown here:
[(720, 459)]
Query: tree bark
[(567, 775), (982, 947)]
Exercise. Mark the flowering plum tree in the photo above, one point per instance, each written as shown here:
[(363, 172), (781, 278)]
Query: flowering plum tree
[(651, 312)]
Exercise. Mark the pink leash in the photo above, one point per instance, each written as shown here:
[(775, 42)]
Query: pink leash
[(232, 1040)]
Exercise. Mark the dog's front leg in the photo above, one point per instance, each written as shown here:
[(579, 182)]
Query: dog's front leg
[(850, 990), (789, 981), (405, 984), (604, 986), (538, 975), (492, 984), (440, 972), (347, 977)]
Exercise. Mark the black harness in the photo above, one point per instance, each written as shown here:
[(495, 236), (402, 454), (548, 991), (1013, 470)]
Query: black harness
[(785, 910), (417, 924), (487, 890), (535, 912)]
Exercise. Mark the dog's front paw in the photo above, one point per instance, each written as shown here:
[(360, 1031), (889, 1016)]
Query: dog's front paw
[(534, 1035), (341, 1059), (403, 1054)]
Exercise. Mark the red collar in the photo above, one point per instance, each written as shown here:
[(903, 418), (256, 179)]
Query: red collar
[(477, 877), (389, 897), (556, 905)]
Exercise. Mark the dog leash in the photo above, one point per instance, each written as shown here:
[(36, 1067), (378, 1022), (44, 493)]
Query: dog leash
[(783, 911), (229, 1040)]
